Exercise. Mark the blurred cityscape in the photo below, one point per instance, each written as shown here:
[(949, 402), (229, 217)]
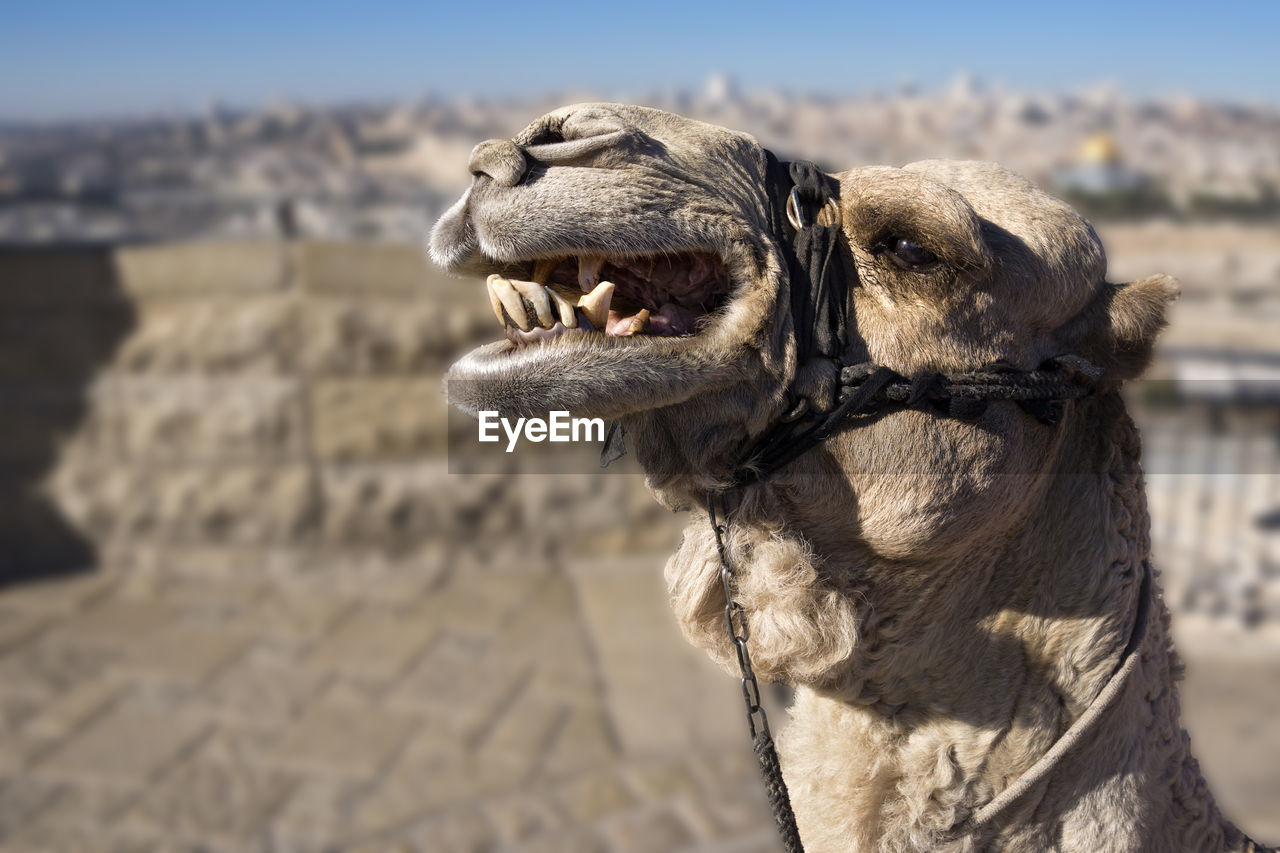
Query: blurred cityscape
[(383, 171), (246, 606)]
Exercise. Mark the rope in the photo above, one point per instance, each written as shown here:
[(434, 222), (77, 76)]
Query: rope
[(1084, 724), (775, 788), (868, 388)]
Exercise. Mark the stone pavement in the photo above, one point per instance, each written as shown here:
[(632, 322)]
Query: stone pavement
[(460, 708), (456, 707)]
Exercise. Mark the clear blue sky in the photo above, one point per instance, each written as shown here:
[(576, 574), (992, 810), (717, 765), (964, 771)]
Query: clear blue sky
[(82, 57)]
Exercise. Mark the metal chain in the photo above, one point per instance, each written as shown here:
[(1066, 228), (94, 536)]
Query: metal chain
[(735, 619)]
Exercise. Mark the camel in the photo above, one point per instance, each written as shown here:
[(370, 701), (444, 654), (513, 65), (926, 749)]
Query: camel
[(946, 595)]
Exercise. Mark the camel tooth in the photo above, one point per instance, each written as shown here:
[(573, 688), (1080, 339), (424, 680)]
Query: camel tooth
[(565, 308), (595, 305), (494, 300), (638, 322), (510, 300), (589, 267), (542, 270), (537, 296)]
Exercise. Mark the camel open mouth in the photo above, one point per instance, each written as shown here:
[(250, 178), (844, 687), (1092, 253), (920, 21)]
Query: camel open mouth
[(614, 296)]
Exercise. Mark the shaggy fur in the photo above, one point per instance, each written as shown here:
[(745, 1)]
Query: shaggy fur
[(947, 597)]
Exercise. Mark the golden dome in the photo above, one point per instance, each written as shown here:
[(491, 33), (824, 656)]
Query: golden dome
[(1100, 148)]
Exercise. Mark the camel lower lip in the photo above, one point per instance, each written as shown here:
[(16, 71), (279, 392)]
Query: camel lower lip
[(494, 352)]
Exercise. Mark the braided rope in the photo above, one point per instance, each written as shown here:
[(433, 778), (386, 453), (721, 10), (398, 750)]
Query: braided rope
[(775, 788)]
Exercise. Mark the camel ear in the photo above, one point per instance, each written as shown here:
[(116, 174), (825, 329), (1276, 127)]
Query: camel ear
[(1118, 330), (1137, 313)]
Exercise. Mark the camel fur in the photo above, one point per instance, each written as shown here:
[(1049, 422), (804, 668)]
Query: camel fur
[(945, 596)]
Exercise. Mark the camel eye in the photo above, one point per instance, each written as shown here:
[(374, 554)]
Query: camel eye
[(908, 255)]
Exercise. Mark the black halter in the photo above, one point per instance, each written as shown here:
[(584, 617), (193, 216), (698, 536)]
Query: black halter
[(825, 328)]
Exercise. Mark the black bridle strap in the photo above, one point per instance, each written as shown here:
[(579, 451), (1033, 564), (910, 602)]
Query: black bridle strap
[(818, 292), (871, 389)]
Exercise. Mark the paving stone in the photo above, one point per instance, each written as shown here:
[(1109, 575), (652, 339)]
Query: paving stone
[(415, 789), (17, 626), (150, 694), (526, 815), (482, 603), (21, 800), (463, 831), (263, 687), (585, 741), (647, 830), (218, 602), (17, 707), (723, 768), (655, 781), (205, 800), (56, 595), (184, 653), (83, 802), (594, 796), (299, 614), (120, 621), (574, 840), (735, 810), (240, 742), (126, 745), (84, 839), (527, 729), (317, 810), (375, 642), (74, 707), (53, 663), (459, 686), (762, 841), (346, 739), (654, 677), (546, 629), (19, 754)]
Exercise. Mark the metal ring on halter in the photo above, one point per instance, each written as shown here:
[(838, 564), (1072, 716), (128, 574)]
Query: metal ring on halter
[(793, 209), (796, 217)]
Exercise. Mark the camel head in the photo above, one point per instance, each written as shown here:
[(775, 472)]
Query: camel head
[(950, 589), (632, 265)]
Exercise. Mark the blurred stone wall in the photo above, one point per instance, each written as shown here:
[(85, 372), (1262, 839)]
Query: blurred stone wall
[(256, 406), (205, 407)]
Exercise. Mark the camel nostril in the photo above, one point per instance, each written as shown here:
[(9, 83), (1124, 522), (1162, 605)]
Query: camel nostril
[(500, 159)]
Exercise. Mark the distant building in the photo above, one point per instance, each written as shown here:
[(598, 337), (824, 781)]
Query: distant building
[(1099, 170)]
